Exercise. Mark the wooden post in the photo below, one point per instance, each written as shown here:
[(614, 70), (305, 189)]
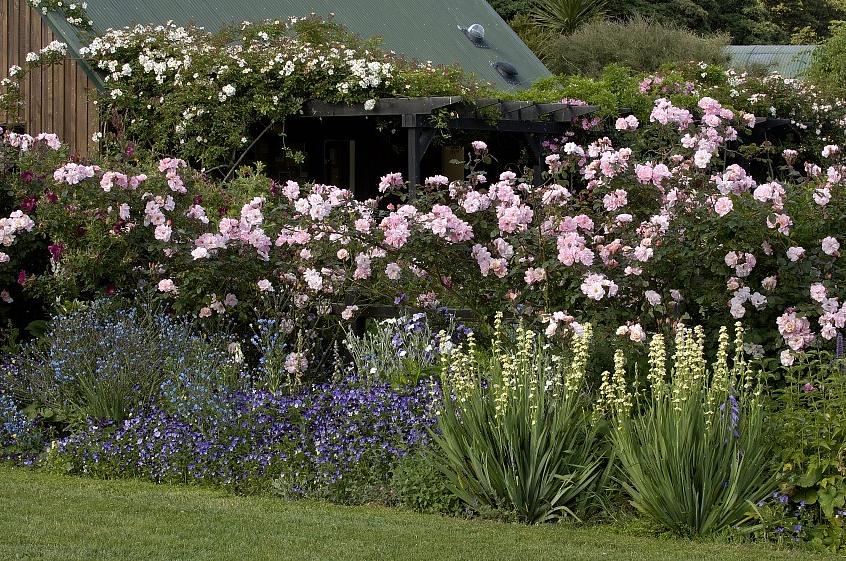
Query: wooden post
[(537, 149), (420, 136)]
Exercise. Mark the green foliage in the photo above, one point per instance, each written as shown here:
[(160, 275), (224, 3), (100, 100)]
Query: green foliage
[(515, 432), (401, 351), (809, 420), (418, 484), (695, 452), (99, 363), (565, 16), (828, 65), (209, 95), (745, 22), (614, 89), (641, 44)]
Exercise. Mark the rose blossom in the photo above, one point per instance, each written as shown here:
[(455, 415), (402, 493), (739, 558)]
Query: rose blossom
[(795, 253), (653, 297), (830, 246), (723, 206), (167, 286)]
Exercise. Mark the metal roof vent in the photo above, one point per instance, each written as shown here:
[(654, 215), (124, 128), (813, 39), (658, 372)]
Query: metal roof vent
[(507, 71), (476, 34)]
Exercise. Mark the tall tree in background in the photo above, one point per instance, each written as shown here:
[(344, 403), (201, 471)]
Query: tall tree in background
[(746, 21), (565, 16)]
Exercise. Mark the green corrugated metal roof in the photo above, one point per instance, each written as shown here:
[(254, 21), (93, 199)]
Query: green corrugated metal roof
[(787, 60), (425, 30)]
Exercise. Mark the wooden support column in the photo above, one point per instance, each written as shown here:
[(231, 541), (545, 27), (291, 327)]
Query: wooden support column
[(420, 136), (536, 146)]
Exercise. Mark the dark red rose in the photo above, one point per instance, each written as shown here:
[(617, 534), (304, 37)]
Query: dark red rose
[(29, 204), (56, 250)]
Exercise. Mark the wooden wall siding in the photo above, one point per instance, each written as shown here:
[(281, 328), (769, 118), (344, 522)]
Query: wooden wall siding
[(55, 98)]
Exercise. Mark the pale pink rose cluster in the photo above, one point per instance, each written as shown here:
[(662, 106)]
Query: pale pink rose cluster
[(25, 142), (391, 180), (741, 296), (170, 167), (629, 123), (112, 179), (557, 319), (396, 226), (167, 286), (741, 262), (475, 201), (615, 200), (217, 306), (479, 148), (488, 263), (10, 227), (795, 330), (830, 246), (665, 113), (652, 173), (74, 174), (596, 287), (535, 275), (723, 206), (572, 249), (634, 332), (734, 180), (830, 151), (153, 213), (781, 222), (446, 225)]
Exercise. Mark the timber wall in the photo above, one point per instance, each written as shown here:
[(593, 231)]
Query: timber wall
[(56, 98)]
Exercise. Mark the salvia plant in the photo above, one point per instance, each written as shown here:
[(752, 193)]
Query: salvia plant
[(693, 446), (516, 433)]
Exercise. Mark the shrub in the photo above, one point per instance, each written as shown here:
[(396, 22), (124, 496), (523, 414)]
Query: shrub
[(21, 438), (336, 441), (419, 484), (668, 206), (809, 424), (695, 452), (403, 350), (828, 64), (100, 362), (352, 436), (641, 44), (515, 434)]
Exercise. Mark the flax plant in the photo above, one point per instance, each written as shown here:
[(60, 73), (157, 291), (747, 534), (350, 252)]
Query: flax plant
[(515, 433), (693, 453)]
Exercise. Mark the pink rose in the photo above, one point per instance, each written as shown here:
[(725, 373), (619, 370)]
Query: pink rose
[(723, 206)]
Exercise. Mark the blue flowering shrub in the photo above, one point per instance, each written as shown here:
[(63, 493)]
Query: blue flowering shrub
[(809, 417), (99, 363), (352, 436), (21, 438), (338, 441)]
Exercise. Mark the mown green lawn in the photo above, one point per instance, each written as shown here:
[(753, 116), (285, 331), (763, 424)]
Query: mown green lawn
[(44, 516)]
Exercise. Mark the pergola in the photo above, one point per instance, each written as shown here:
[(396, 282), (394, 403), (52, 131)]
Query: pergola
[(534, 121)]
